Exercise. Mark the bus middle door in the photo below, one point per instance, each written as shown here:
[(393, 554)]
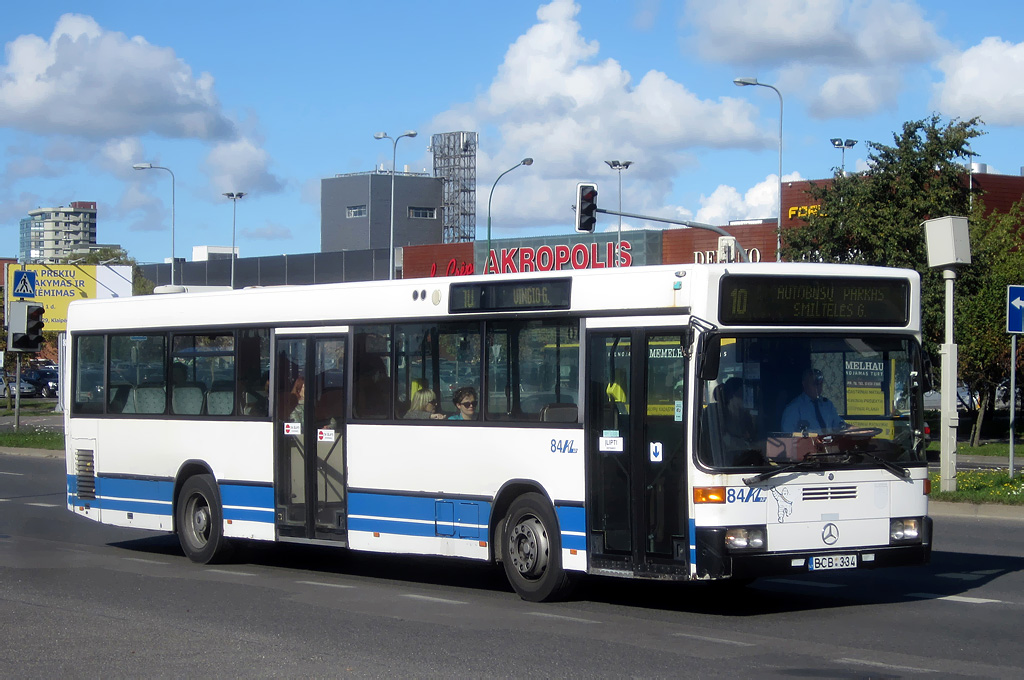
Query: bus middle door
[(309, 426), (636, 464)]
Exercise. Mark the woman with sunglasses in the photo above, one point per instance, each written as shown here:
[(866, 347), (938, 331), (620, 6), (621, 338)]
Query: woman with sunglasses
[(424, 406), (466, 401)]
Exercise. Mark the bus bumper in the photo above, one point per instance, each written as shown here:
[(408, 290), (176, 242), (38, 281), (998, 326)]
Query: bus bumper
[(715, 561)]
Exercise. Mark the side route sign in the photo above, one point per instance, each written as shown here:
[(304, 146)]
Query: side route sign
[(1015, 309)]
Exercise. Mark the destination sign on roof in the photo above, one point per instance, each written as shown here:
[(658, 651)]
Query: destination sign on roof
[(813, 301)]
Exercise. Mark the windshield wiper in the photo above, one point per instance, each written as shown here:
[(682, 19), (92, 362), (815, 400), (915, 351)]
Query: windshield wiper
[(898, 470), (810, 461)]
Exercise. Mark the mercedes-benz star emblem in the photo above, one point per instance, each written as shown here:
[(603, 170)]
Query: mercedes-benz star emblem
[(830, 534)]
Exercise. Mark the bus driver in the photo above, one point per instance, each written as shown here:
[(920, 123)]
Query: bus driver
[(810, 411)]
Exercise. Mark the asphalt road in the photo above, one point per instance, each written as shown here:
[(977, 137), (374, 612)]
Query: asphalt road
[(80, 599)]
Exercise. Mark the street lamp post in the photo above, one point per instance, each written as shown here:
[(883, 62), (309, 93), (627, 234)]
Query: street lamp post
[(615, 165), (394, 154), (487, 258), (234, 196), (741, 82), (150, 166), (838, 143)]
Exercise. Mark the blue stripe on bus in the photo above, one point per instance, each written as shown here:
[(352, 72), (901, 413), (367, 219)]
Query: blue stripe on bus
[(248, 496), (574, 519), (154, 497), (419, 516), (693, 542)]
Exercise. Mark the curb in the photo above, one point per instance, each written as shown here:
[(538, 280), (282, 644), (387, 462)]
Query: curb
[(976, 510), (35, 453)]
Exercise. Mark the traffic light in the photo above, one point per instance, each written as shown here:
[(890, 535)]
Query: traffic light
[(25, 327), (586, 207)]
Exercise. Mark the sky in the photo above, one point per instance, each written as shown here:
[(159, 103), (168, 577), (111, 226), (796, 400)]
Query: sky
[(268, 98)]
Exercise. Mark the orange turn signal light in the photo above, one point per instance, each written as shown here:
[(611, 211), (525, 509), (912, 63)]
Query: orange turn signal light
[(709, 494)]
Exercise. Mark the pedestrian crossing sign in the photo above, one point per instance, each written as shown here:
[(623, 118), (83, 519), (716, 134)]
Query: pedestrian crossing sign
[(24, 283)]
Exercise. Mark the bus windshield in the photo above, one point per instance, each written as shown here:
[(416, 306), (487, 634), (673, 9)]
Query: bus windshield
[(839, 400)]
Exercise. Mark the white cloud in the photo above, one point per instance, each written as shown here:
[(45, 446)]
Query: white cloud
[(986, 80), (849, 56), (849, 95), (241, 165), (551, 98), (89, 82), (726, 203)]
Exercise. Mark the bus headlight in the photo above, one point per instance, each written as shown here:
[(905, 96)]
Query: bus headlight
[(905, 530), (746, 539)]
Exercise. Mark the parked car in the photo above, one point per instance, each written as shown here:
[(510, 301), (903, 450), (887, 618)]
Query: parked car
[(26, 389), (45, 380)]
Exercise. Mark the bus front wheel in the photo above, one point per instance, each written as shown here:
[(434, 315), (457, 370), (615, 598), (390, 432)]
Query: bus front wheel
[(531, 550), (200, 520)]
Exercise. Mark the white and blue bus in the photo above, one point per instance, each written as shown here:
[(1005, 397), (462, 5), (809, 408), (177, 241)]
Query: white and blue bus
[(627, 422)]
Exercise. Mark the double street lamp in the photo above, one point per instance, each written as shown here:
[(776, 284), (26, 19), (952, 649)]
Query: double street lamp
[(487, 259), (150, 166), (838, 143), (394, 153), (234, 196), (741, 82), (616, 165)]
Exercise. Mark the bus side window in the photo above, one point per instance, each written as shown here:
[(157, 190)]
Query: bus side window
[(371, 397)]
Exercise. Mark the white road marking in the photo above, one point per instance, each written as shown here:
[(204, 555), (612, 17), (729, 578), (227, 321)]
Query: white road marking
[(427, 598), (888, 666), (955, 598), (705, 638), (562, 618), (228, 571), (44, 505), (12, 474), (144, 561), (326, 585)]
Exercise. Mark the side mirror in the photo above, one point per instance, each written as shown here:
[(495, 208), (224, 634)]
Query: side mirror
[(710, 357)]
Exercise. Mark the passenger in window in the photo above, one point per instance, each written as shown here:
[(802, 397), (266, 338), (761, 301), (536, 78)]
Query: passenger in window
[(424, 406), (739, 436), (298, 397), (810, 411), (466, 401)]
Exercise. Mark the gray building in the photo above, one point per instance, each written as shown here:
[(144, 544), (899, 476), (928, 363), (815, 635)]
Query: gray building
[(53, 234), (355, 210)]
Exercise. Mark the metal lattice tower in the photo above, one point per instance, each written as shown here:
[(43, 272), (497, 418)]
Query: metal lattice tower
[(455, 162)]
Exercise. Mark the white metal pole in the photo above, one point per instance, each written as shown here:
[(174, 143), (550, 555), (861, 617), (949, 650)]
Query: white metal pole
[(949, 418), (1013, 394)]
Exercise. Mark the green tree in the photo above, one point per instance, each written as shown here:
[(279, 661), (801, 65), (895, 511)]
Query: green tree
[(980, 323), (118, 256), (874, 217)]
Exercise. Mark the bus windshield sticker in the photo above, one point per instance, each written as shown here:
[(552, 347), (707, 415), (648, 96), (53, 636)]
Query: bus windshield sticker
[(656, 452), (293, 429), (325, 435), (610, 445)]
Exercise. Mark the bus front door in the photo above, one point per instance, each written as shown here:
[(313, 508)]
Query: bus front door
[(636, 459), (309, 424)]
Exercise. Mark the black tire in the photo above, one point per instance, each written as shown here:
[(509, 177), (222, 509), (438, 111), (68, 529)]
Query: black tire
[(531, 550), (200, 520)]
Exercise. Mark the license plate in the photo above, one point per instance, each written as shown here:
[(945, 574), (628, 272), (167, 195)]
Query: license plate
[(821, 562)]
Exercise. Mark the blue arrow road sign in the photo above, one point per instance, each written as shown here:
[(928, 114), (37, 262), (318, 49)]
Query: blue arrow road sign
[(1015, 309)]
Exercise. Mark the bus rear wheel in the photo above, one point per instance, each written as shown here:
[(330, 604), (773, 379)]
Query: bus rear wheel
[(200, 520), (532, 551)]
